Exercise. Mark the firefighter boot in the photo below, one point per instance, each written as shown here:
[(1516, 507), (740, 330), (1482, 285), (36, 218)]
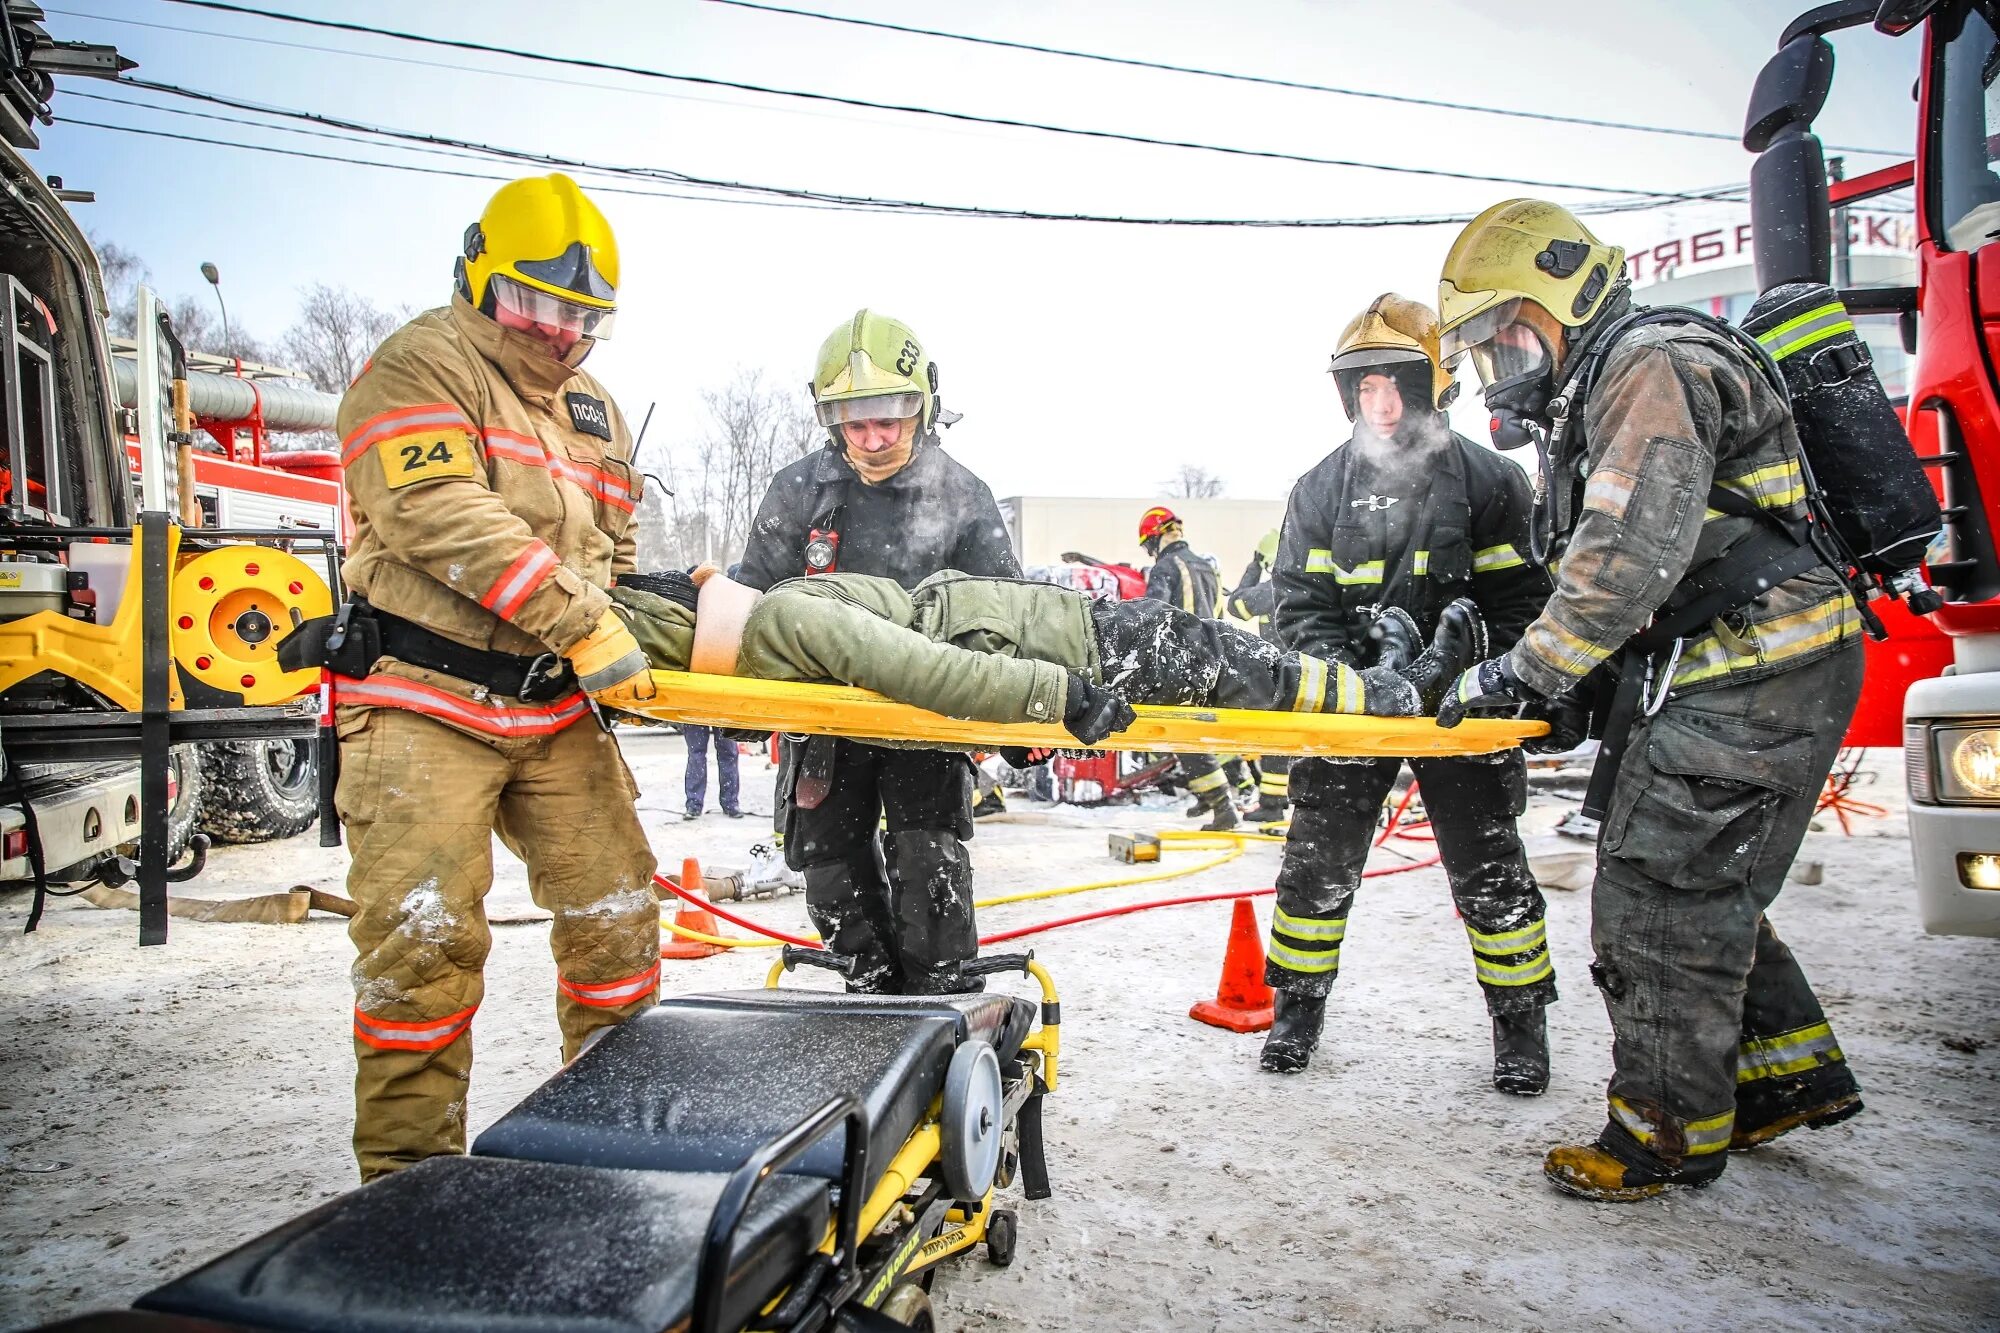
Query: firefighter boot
[(1294, 1032), (1521, 1052), (1269, 810), (1766, 1108), (1222, 816), (1599, 1171)]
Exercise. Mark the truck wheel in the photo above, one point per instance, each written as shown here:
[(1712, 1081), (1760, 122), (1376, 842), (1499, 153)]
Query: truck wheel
[(259, 789), (189, 784)]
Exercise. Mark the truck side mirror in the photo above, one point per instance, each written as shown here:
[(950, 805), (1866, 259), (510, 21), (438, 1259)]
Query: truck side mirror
[(1791, 90), (1788, 195), (1790, 226)]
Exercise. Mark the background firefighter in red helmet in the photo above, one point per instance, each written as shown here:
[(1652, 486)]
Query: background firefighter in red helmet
[(1182, 579), (493, 494), (1407, 514), (1675, 508)]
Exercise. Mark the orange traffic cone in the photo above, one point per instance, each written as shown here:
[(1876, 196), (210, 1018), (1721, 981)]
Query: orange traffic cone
[(699, 919), (1242, 1001)]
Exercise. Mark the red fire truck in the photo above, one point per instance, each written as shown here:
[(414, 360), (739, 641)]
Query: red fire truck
[(1950, 322)]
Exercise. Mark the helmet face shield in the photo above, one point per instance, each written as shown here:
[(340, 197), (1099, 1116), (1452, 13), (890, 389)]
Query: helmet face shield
[(526, 306), (1501, 343), (878, 407)]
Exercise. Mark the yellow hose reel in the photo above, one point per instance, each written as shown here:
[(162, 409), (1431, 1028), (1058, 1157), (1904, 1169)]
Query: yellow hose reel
[(231, 607)]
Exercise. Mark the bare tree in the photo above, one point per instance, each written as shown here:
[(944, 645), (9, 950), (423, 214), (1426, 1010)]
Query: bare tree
[(123, 272), (1193, 483), (200, 330), (336, 331), (719, 478)]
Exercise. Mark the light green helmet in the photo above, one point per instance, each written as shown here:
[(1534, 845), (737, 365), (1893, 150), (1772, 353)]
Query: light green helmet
[(873, 366)]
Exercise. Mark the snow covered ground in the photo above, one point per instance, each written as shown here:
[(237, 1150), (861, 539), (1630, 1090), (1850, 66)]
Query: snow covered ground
[(158, 1106)]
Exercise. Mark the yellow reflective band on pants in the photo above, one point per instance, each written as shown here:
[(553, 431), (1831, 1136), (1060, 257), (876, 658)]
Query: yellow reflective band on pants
[(1274, 784), (1322, 936), (1707, 1135), (1515, 974), (1207, 782), (1787, 1053), (1531, 940)]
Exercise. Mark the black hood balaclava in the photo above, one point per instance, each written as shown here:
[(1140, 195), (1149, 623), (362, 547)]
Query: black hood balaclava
[(1422, 424)]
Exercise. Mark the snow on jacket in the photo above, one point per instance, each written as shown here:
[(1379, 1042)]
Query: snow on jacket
[(934, 514), (493, 495), (1675, 409), (1470, 538)]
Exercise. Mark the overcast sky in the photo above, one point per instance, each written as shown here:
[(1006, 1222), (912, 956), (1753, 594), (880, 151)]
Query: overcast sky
[(1087, 359)]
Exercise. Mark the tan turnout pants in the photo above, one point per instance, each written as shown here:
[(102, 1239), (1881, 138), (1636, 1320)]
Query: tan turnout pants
[(420, 801)]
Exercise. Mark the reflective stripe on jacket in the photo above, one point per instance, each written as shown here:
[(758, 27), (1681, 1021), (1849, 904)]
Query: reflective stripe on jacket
[(1675, 409), (489, 506)]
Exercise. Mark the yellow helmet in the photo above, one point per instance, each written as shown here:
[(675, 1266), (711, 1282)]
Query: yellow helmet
[(541, 245), (1392, 331), (873, 366), (1523, 261)]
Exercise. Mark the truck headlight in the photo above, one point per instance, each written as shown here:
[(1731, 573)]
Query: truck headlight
[(1968, 763)]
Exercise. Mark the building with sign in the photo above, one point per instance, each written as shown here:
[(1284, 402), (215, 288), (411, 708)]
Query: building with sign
[(1704, 261)]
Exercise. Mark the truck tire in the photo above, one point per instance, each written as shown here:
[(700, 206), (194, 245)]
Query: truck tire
[(185, 776), (259, 790)]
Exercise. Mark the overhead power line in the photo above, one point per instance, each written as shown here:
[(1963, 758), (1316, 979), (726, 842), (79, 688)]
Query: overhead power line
[(414, 141), (1266, 80), (462, 44)]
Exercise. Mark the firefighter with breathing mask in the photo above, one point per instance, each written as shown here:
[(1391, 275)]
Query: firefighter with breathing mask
[(1674, 505)]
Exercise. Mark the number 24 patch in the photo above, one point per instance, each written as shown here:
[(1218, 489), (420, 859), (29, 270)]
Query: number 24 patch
[(409, 459)]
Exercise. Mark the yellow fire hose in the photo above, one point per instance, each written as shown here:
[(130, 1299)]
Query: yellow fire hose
[(1233, 845)]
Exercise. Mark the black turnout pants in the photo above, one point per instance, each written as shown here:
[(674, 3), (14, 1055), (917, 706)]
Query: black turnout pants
[(1472, 804), (900, 902)]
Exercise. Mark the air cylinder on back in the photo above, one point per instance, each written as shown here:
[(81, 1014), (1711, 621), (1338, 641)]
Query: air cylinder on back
[(1874, 494)]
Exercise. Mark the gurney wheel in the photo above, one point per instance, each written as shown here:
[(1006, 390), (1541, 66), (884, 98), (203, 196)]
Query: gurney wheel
[(1000, 1237), (969, 1144), (907, 1304)]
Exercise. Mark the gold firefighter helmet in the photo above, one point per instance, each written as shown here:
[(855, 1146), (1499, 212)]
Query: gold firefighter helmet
[(1392, 331), (874, 367), (543, 249), (1522, 273)]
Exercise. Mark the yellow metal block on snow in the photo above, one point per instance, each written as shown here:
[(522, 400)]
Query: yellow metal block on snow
[(841, 710), (1133, 848)]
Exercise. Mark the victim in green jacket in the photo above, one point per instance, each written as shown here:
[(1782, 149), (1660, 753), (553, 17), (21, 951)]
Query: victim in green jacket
[(997, 650)]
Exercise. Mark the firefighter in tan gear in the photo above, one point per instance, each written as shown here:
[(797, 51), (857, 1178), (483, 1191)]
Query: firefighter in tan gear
[(1674, 506), (493, 493)]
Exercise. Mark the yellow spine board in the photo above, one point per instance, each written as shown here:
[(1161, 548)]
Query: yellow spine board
[(841, 710)]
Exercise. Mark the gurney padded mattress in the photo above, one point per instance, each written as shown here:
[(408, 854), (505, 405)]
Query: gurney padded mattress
[(699, 1086), (457, 1244)]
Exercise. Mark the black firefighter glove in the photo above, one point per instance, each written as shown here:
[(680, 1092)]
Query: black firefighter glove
[(1491, 684), (1569, 724), (1091, 711)]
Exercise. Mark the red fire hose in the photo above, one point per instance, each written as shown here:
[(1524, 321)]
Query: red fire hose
[(1036, 929)]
